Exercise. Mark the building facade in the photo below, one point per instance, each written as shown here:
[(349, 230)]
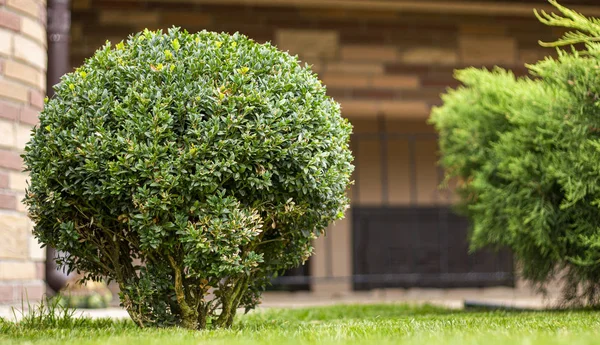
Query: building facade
[(386, 62)]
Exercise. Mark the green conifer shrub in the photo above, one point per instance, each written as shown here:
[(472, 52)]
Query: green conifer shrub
[(188, 168), (526, 153)]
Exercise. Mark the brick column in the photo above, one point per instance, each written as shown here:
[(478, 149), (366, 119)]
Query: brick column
[(22, 87)]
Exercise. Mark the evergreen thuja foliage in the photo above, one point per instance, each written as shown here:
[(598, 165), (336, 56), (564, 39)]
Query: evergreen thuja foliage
[(526, 154), (188, 168)]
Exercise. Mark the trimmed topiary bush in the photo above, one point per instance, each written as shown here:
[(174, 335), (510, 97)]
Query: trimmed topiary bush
[(526, 152), (188, 168)]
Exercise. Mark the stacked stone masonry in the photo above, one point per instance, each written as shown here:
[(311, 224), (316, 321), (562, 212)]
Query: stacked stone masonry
[(373, 62), (22, 88)]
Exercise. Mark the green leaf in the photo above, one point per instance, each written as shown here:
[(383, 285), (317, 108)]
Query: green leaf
[(175, 44)]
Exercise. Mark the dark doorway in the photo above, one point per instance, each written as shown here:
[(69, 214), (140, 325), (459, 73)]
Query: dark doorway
[(295, 279), (421, 247)]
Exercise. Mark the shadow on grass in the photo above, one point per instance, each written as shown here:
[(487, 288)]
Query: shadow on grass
[(476, 307)]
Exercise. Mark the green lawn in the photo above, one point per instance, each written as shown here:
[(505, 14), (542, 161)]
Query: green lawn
[(373, 324)]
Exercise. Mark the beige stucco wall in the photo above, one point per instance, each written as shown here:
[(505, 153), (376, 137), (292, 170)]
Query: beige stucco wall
[(23, 64)]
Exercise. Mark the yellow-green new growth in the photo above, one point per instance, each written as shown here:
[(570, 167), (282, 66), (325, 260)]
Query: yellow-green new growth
[(588, 29)]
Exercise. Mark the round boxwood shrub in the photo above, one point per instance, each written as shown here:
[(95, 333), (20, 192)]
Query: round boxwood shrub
[(188, 168)]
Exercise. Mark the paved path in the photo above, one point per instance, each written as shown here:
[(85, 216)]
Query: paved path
[(447, 298)]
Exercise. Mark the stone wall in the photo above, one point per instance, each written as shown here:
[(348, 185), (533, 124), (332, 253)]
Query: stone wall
[(22, 90), (375, 62)]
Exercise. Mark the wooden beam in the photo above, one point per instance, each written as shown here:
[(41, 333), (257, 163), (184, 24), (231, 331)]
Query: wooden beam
[(496, 8)]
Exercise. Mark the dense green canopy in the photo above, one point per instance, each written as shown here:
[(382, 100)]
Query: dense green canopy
[(210, 159), (527, 154)]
